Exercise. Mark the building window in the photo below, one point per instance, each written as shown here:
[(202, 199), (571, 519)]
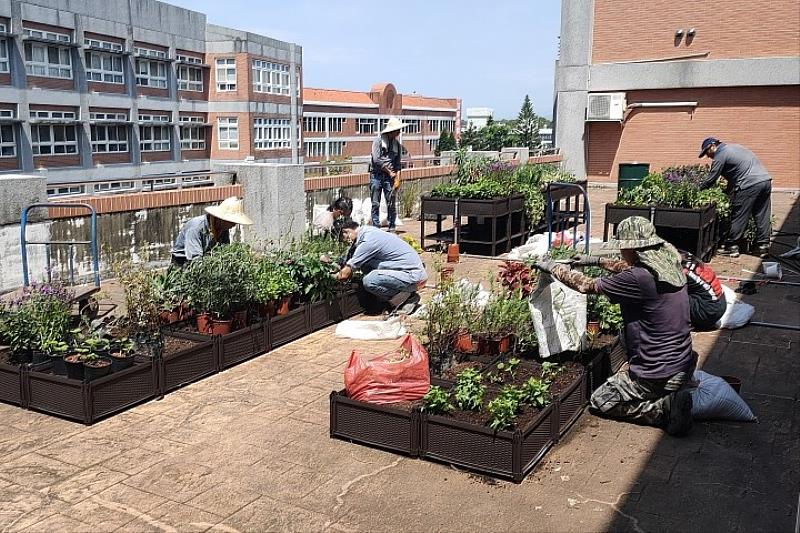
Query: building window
[(313, 124), (433, 144), (315, 148), (70, 190), (104, 45), (48, 61), (153, 118), (382, 123), (193, 138), (149, 52), (272, 133), (49, 35), (3, 27), (68, 115), (4, 56), (336, 148), (439, 125), (190, 78), (448, 125), (335, 124), (109, 139), (228, 133), (104, 67), (154, 138), (366, 126), (108, 116), (189, 59), (434, 125), (270, 77), (53, 139), (412, 126), (8, 142), (226, 74), (151, 74), (114, 186)]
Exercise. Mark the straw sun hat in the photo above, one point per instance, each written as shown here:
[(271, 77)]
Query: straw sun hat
[(230, 210), (394, 124)]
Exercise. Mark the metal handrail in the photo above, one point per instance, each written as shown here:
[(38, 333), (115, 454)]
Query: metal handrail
[(92, 243), (586, 215)]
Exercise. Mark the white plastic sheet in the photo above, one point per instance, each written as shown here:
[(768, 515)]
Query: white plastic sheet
[(371, 330), (559, 316), (737, 313)]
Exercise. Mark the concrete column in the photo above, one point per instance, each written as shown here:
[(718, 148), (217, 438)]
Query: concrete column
[(16, 57), (295, 118), (274, 198)]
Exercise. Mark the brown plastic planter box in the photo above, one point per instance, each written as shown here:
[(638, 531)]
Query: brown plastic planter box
[(675, 217), (494, 207), (242, 345), (323, 314), (352, 301), (381, 426), (570, 404), (189, 365), (88, 401), (505, 454), (438, 206), (288, 327), (11, 384)]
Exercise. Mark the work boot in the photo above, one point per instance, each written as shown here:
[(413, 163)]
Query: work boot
[(398, 299), (763, 250), (410, 305), (730, 251), (680, 413)]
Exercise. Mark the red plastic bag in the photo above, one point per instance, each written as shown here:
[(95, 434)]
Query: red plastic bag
[(397, 376)]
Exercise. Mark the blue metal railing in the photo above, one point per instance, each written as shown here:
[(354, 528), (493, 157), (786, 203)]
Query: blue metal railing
[(562, 218)]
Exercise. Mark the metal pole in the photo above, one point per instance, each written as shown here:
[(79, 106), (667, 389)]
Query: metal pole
[(777, 326), (95, 257), (24, 246)]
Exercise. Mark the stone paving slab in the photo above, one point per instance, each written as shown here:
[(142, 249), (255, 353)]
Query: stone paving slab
[(249, 450)]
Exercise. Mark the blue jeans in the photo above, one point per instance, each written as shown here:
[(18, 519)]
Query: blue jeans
[(386, 283), (381, 183)]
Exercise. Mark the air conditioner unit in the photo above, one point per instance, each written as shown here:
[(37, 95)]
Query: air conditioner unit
[(605, 106)]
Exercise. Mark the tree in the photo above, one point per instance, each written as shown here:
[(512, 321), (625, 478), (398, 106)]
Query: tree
[(447, 142), (527, 125), (470, 137), (496, 136)]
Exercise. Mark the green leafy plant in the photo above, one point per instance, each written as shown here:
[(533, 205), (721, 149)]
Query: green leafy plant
[(37, 317), (468, 390), (609, 315), (272, 281), (143, 302), (504, 408), (550, 371), (536, 392), (437, 401), (509, 367), (409, 196), (167, 285)]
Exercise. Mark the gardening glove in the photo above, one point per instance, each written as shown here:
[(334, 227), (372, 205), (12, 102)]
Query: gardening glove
[(585, 260), (545, 265)]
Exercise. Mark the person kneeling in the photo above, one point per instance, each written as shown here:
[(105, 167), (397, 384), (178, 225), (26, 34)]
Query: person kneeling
[(392, 269)]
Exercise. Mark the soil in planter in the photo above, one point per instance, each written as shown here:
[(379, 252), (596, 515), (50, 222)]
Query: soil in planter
[(481, 418), (174, 345), (451, 373)]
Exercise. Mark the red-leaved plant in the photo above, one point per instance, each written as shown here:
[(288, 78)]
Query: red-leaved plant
[(516, 275)]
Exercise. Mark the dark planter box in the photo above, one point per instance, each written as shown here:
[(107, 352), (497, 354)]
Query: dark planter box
[(438, 206), (504, 454), (351, 301), (617, 213), (674, 217), (323, 314), (570, 404), (494, 207), (89, 401), (242, 345), (11, 384), (288, 327), (189, 365), (375, 425)]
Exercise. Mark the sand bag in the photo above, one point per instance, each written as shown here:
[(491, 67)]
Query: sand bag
[(737, 313), (714, 399), (559, 316)]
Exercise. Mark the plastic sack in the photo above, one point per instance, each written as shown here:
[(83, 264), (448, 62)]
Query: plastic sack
[(397, 376), (737, 313), (714, 399), (559, 316), (371, 330)]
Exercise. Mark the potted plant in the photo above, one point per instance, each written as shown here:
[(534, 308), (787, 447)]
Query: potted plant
[(92, 352), (274, 287), (56, 350), (143, 305), (122, 354), (167, 286)]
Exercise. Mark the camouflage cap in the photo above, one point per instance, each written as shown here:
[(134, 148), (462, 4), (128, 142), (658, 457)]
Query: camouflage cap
[(636, 232), (660, 257)]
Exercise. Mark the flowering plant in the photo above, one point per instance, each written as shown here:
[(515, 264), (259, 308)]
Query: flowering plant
[(38, 317)]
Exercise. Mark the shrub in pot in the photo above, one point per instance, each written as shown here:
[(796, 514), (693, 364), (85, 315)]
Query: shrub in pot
[(143, 303), (274, 287), (122, 353), (170, 300), (56, 350)]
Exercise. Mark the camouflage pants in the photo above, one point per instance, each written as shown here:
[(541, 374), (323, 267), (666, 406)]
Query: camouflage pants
[(645, 401)]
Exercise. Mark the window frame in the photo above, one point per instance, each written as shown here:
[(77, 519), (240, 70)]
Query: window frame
[(272, 133), (147, 77), (314, 124), (5, 144), (102, 72), (339, 123), (31, 64), (231, 126), (307, 145), (117, 143), (37, 144), (225, 64), (361, 122), (5, 61), (162, 144), (192, 143), (187, 84), (270, 77), (339, 150)]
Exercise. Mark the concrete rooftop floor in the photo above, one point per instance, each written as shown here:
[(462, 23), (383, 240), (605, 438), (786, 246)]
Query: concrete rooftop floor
[(248, 450)]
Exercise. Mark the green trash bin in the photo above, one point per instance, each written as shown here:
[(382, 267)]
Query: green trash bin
[(631, 174)]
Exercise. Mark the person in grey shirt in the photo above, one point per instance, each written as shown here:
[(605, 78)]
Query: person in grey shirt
[(202, 233), (750, 190), (392, 269), (385, 171)]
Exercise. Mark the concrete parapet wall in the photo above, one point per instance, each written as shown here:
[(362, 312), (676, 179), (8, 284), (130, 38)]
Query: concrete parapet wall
[(18, 191)]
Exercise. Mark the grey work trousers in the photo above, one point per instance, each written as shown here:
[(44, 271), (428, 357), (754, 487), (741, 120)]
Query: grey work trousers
[(645, 401), (755, 201)]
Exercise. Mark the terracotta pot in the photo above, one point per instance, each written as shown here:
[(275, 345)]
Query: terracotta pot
[(240, 319), (464, 342), (447, 273), (221, 327), (184, 312), (169, 317), (282, 307), (453, 253), (204, 323), (493, 346), (593, 328)]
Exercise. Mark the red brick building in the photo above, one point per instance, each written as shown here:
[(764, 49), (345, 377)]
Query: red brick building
[(646, 82), (341, 124)]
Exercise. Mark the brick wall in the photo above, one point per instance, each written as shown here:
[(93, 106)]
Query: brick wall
[(765, 119), (245, 136), (157, 156), (243, 75), (96, 86), (5, 79), (625, 30), (52, 83), (9, 163), (57, 161), (150, 200), (114, 158)]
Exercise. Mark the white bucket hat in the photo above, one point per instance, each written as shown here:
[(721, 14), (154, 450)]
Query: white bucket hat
[(394, 124), (230, 210)]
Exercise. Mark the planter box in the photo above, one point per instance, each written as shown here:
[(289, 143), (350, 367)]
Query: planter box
[(617, 213), (323, 314), (11, 384), (438, 206), (375, 425), (189, 365), (494, 207), (674, 217), (286, 328), (242, 345), (88, 401), (503, 454), (570, 404), (351, 301)]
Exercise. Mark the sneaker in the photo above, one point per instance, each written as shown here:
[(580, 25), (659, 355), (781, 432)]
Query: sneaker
[(730, 251), (763, 251), (399, 299), (392, 229), (680, 413)]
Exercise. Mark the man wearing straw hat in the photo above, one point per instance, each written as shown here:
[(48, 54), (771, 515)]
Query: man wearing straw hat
[(385, 171), (650, 287), (202, 233)]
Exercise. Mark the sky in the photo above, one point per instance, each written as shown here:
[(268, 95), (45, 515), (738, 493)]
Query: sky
[(489, 54)]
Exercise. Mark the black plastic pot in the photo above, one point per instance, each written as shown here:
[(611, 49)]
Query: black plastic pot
[(121, 362), (97, 369), (74, 369), (59, 367), (38, 357)]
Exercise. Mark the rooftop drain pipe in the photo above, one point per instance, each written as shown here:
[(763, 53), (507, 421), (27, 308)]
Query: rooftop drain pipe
[(640, 105)]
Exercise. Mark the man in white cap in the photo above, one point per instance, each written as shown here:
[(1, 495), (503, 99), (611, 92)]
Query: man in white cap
[(385, 171), (202, 233)]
